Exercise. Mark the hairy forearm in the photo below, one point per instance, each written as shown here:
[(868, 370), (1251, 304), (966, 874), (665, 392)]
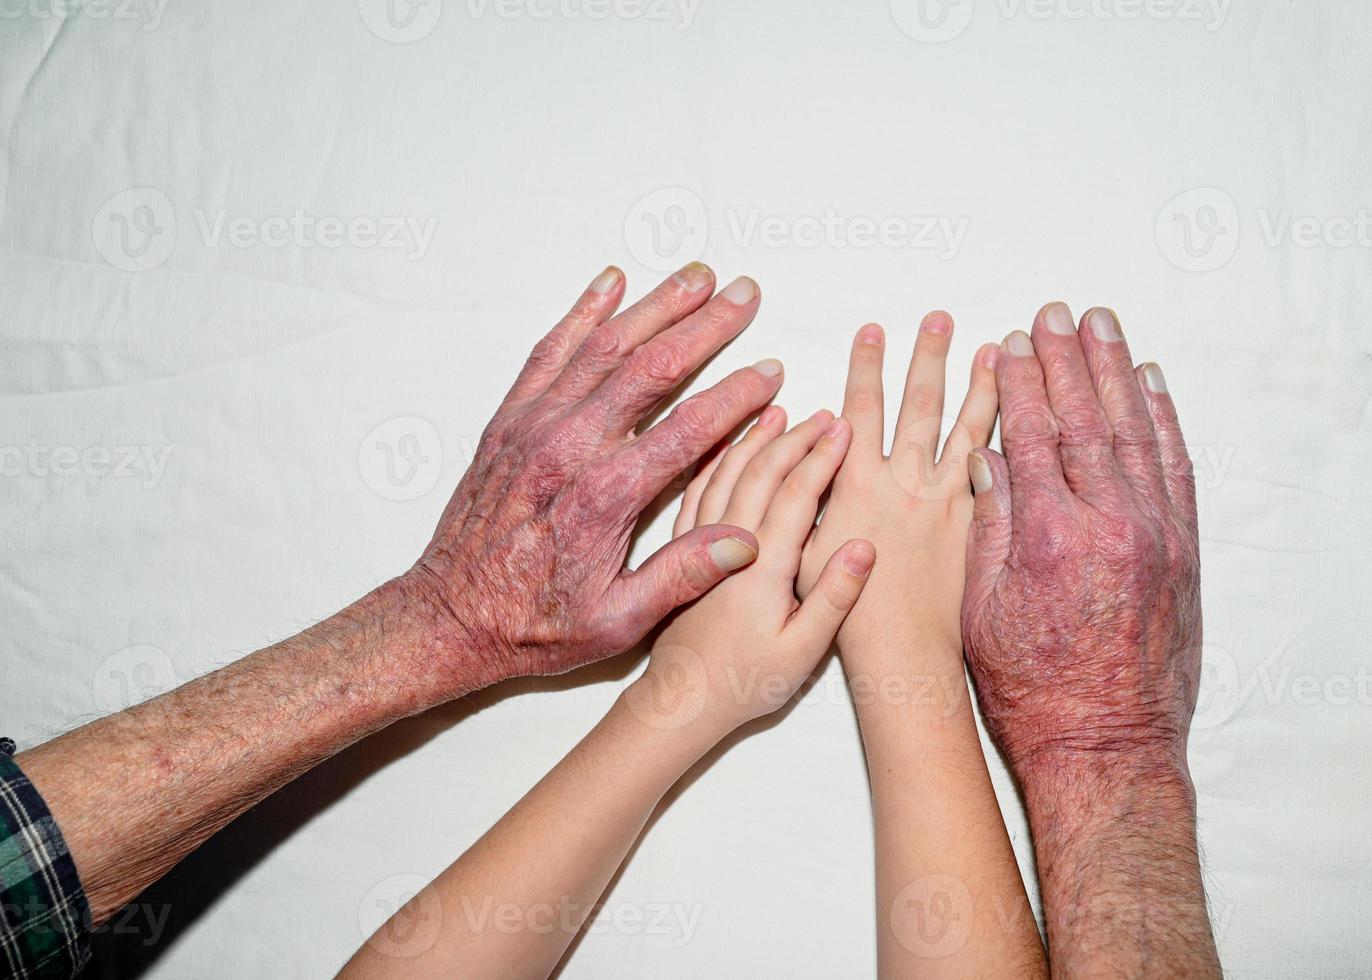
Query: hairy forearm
[(137, 791), (513, 903), (1119, 868), (950, 899)]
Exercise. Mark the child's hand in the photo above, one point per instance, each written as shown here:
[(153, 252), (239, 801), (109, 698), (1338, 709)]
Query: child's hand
[(745, 648), (916, 505)]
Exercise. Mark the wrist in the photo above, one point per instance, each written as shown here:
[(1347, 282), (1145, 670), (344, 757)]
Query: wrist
[(1119, 867), (397, 643), (657, 708)]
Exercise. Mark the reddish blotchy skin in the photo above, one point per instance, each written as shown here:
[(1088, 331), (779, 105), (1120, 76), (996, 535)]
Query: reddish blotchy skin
[(525, 573), (1082, 615), (1089, 637)]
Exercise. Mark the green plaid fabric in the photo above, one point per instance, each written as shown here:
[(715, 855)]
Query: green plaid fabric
[(44, 918)]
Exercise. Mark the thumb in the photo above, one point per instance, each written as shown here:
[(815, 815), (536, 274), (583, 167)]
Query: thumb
[(988, 542), (681, 571)]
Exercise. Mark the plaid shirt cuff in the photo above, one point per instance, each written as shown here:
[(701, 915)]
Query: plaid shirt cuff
[(44, 918)]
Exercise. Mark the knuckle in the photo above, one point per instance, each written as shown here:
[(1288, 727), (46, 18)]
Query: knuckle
[(863, 401), (698, 417), (595, 490), (1134, 429), (658, 365), (1029, 425), (923, 401), (604, 343), (1138, 542), (551, 350), (1050, 544)]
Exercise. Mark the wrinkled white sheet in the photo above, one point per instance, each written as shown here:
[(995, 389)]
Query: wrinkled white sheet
[(194, 369)]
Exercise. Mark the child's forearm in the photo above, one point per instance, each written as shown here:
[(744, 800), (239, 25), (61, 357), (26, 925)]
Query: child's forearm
[(513, 903), (950, 899)]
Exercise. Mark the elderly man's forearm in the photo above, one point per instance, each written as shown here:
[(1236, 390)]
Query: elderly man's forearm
[(136, 792), (1119, 868)]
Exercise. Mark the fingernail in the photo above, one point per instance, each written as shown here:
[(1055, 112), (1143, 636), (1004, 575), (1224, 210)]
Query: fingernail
[(980, 472), (731, 553), (1019, 344), (871, 334), (859, 558), (1105, 326), (740, 292), (771, 367), (770, 415), (989, 355), (835, 429), (1058, 318), (695, 276), (1153, 379), (937, 322), (606, 281)]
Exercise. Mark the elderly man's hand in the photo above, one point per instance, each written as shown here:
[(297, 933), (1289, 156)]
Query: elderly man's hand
[(1082, 612), (525, 574), (1082, 627)]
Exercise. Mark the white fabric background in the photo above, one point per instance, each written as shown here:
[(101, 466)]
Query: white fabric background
[(259, 373)]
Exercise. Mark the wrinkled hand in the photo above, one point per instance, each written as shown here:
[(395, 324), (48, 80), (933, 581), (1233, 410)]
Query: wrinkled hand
[(1082, 615), (525, 574)]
